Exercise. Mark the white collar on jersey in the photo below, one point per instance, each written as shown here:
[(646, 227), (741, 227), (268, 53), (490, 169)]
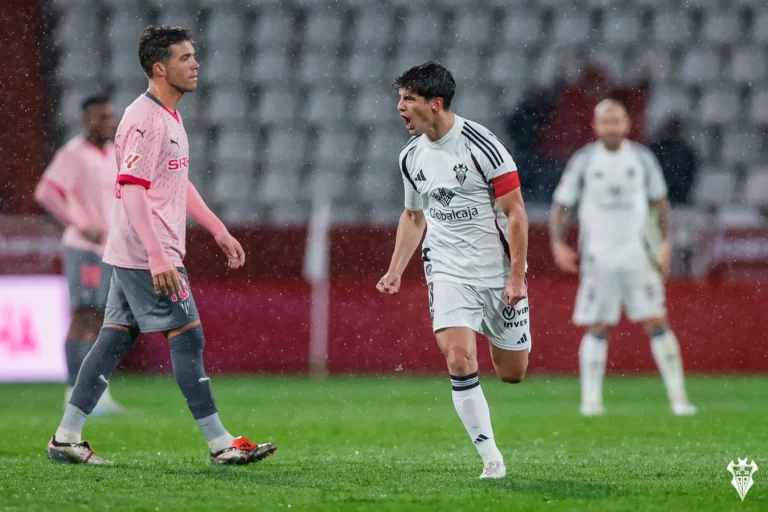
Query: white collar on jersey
[(442, 141)]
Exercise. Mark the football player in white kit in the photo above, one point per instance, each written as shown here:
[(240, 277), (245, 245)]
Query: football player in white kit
[(617, 184), (462, 185)]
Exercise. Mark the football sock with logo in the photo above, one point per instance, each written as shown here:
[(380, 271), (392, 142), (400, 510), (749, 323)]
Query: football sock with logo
[(666, 352), (472, 408), (593, 354), (215, 434), (93, 378), (75, 352)]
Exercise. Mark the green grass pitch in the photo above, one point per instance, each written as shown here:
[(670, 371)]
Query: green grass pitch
[(394, 443)]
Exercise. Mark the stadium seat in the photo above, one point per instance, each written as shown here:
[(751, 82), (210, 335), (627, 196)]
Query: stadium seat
[(124, 66), (519, 28), (756, 187), (225, 29), (279, 183), (326, 106), (544, 69), (375, 104), (323, 32), (286, 145), (379, 184), (507, 68), (477, 105), (718, 107), (274, 30), (700, 67), (337, 147), (748, 65), (465, 67), (760, 26), (372, 30), (621, 28), (407, 57), (178, 16), (741, 145), (422, 29), (232, 185), (70, 111), (472, 29), (326, 182), (222, 68), (83, 68), (277, 105), (364, 68), (384, 145), (124, 27), (270, 67), (318, 68), (572, 28), (609, 58), (722, 27), (714, 188), (226, 105), (236, 145), (75, 28), (199, 156), (758, 112), (671, 27)]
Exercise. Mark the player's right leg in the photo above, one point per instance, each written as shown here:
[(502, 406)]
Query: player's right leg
[(117, 337), (598, 305), (457, 316)]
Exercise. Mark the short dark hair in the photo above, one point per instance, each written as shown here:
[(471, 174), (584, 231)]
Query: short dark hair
[(431, 80), (94, 99), (155, 44)]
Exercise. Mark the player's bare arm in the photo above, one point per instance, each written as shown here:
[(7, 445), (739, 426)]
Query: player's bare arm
[(663, 214), (58, 205), (410, 229), (513, 207), (198, 210), (565, 257)]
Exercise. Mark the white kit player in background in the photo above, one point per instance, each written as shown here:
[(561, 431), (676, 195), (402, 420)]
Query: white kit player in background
[(617, 184), (462, 185)]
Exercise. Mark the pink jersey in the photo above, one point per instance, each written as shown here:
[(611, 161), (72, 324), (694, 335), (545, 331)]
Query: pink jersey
[(152, 151), (85, 175)]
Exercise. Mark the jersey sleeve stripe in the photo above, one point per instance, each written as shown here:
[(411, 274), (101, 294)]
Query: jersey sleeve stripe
[(415, 137), (477, 166), (503, 240), (481, 148), (493, 147), (404, 170), (127, 178)]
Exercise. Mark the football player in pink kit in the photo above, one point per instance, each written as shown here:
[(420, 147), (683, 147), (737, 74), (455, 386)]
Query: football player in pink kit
[(77, 188), (150, 289)]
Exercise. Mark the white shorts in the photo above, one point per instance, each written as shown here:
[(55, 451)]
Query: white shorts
[(603, 291), (481, 309)]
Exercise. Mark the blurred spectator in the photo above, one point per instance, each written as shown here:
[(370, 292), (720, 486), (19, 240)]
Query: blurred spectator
[(538, 174), (571, 124), (677, 159)]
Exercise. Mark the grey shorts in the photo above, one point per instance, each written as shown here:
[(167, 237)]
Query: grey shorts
[(88, 278), (133, 302)]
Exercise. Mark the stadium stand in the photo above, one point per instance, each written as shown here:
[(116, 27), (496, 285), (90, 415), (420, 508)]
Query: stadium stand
[(295, 95)]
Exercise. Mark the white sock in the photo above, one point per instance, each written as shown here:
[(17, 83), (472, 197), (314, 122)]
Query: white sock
[(71, 428), (593, 354), (470, 403), (217, 436), (666, 352)]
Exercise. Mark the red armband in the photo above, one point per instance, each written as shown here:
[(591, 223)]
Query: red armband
[(505, 184)]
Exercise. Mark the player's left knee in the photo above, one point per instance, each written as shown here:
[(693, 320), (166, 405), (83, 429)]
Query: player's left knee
[(181, 330)]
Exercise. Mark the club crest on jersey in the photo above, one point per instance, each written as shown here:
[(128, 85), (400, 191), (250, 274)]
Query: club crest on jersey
[(444, 196), (461, 173)]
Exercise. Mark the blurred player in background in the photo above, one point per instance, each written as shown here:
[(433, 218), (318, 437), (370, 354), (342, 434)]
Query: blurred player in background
[(150, 289), (77, 188), (462, 185), (614, 181)]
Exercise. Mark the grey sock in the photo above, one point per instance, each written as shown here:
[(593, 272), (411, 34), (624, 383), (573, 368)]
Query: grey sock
[(75, 352), (212, 427), (73, 419), (97, 368), (187, 358)]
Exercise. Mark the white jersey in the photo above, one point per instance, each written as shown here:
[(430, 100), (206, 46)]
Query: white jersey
[(449, 180), (613, 190)]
